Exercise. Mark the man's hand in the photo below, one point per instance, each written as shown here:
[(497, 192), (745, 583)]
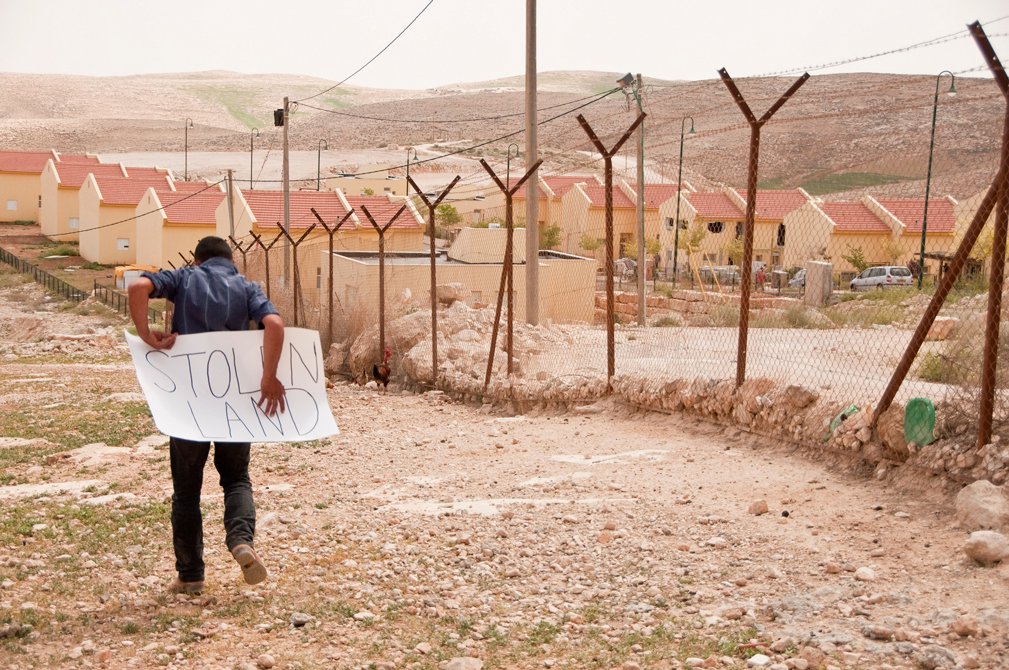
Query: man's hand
[(271, 395), (158, 339)]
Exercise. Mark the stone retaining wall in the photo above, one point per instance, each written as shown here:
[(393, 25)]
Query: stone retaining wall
[(762, 406)]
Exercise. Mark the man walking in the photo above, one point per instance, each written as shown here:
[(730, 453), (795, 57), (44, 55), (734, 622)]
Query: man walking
[(212, 296)]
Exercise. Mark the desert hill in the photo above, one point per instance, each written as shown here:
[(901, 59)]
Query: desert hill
[(839, 132)]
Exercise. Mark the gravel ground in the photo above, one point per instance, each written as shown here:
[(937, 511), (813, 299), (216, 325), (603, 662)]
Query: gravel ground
[(430, 534)]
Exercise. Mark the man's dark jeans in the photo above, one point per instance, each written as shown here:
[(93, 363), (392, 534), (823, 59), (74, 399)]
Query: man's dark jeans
[(232, 462)]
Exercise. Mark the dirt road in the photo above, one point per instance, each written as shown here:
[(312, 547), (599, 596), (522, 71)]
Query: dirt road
[(430, 534)]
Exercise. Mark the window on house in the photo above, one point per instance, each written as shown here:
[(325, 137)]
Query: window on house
[(40, 201), (739, 229), (75, 223), (669, 223), (12, 205), (122, 243), (318, 277), (715, 227), (781, 235)]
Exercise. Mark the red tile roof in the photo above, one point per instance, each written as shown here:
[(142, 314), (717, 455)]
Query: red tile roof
[(382, 209), (714, 205), (72, 175), (78, 159), (941, 218), (145, 172), (559, 184), (597, 196), (775, 204), (854, 217), (24, 161), (188, 206), (126, 190), (656, 194), (268, 208), (193, 186)]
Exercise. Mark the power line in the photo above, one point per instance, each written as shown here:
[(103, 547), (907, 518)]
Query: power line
[(480, 118), (465, 149), (372, 59)]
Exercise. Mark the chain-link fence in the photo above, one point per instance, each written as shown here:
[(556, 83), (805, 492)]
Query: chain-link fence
[(858, 282)]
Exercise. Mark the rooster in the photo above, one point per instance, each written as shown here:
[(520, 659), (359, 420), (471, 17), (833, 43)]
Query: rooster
[(381, 373)]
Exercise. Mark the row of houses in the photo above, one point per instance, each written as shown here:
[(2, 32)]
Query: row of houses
[(122, 215), (790, 227)]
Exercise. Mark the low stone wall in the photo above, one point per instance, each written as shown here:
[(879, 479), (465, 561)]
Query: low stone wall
[(687, 304), (761, 406)]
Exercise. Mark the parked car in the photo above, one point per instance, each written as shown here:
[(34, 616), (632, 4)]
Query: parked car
[(799, 280), (882, 276)]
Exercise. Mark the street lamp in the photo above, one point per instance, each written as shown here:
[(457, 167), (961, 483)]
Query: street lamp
[(928, 176), (409, 151), (253, 134), (188, 125), (679, 194), (318, 165), (632, 86)]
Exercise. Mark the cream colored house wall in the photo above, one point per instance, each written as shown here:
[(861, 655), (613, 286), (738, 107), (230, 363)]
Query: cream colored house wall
[(567, 286), (872, 246), (807, 235), (87, 206), (150, 237), (19, 196), (180, 237), (102, 226), (49, 211), (485, 245)]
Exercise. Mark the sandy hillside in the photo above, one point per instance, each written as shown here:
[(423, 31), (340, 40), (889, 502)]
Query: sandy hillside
[(872, 128)]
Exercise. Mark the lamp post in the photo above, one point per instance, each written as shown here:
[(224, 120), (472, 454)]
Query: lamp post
[(253, 134), (318, 165), (409, 151), (188, 125), (928, 176), (679, 194)]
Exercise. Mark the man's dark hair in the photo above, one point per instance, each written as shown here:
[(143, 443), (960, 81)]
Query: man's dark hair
[(212, 247)]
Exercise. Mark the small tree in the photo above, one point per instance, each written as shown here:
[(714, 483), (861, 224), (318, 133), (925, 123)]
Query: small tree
[(550, 236), (589, 244), (734, 249), (447, 215), (892, 251), (368, 191), (856, 258), (653, 247)]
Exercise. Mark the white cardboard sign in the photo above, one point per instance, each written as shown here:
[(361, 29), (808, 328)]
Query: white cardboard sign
[(205, 388)]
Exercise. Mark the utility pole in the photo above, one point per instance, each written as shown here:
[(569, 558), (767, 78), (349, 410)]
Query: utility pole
[(641, 207), (532, 186), (231, 205), (287, 193)]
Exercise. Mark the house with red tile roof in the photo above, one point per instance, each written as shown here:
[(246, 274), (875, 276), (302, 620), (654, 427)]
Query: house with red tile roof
[(20, 181), (715, 218), (258, 212), (769, 230), (172, 218), (886, 230), (583, 219), (551, 190), (59, 215), (107, 206)]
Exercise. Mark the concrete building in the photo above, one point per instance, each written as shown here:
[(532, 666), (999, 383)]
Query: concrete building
[(567, 282)]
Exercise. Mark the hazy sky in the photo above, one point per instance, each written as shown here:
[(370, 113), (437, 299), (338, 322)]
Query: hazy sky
[(473, 40)]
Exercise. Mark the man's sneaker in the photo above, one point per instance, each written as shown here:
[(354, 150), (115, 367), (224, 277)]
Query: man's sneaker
[(252, 568), (186, 588)]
